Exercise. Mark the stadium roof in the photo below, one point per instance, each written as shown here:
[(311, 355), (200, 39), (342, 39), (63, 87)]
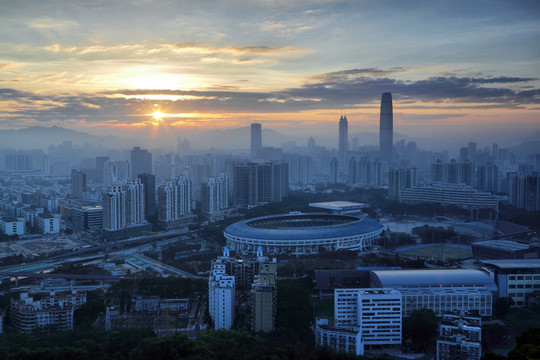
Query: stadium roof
[(502, 244), (431, 278), (356, 226), (514, 264), (339, 205)]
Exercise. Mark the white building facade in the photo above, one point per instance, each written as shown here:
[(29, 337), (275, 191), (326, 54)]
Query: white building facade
[(174, 198), (54, 310), (114, 208), (12, 226), (363, 317), (135, 202), (48, 224), (221, 297)]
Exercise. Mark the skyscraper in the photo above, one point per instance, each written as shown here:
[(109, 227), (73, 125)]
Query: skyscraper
[(149, 184), (343, 138), (135, 205), (260, 183), (386, 130), (215, 194), (114, 208), (141, 161), (256, 139), (100, 167), (78, 184), (174, 199)]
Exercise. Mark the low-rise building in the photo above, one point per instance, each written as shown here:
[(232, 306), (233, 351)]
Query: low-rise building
[(376, 313), (441, 291), (515, 278), (54, 310), (12, 226), (460, 337), (341, 340), (449, 194), (504, 249), (48, 224)]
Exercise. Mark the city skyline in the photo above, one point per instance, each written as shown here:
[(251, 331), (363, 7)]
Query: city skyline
[(156, 69)]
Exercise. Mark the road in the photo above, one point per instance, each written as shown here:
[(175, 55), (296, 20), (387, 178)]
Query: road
[(95, 253)]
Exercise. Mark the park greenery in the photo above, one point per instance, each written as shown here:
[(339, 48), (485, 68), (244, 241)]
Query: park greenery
[(516, 328), (293, 338)]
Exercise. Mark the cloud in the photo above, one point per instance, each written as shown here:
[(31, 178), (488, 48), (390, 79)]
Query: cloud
[(285, 28), (343, 89), (6, 66), (234, 50), (353, 74), (52, 24)]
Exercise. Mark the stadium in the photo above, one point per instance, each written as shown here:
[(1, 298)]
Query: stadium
[(299, 233)]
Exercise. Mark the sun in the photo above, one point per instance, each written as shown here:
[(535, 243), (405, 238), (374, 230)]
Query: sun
[(158, 115)]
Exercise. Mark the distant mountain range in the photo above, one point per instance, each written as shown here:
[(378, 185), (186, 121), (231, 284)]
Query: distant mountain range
[(237, 139), (40, 137)]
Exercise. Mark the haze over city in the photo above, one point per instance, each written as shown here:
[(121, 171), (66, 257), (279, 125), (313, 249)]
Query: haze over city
[(156, 70), (270, 179)]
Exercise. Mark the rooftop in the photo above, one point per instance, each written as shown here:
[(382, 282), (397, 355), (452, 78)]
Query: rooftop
[(431, 278), (514, 264), (503, 244), (339, 205), (294, 227)]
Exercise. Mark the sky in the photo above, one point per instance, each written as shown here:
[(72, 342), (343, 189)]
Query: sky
[(456, 69)]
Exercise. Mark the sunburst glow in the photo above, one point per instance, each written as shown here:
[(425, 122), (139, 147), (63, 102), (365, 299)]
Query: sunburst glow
[(158, 115)]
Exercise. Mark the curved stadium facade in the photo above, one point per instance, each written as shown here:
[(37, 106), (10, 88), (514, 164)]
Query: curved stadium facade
[(298, 233)]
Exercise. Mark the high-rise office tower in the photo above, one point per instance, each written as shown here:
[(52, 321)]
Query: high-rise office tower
[(78, 184), (386, 130), (149, 185), (141, 161), (467, 173), (334, 174), (114, 208), (260, 183), (256, 139), (221, 296), (343, 139), (183, 146), (311, 145), (400, 179), (495, 151), (452, 172), (264, 298), (245, 184), (355, 143), (100, 167), (437, 173), (472, 151), (215, 194), (174, 199), (135, 202), (464, 154)]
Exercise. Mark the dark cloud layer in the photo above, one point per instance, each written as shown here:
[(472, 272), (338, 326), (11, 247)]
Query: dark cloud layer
[(337, 90)]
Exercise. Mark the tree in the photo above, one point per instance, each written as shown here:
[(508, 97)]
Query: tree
[(492, 356), (494, 335), (502, 306), (171, 347), (88, 312), (528, 345), (420, 328)]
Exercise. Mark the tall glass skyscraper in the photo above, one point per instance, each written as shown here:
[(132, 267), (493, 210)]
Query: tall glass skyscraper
[(141, 161), (256, 139), (343, 140), (386, 131)]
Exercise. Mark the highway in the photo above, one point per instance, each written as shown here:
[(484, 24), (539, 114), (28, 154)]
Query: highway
[(42, 268)]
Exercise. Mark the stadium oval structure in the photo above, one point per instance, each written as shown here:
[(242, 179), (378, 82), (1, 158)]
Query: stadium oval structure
[(301, 233)]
